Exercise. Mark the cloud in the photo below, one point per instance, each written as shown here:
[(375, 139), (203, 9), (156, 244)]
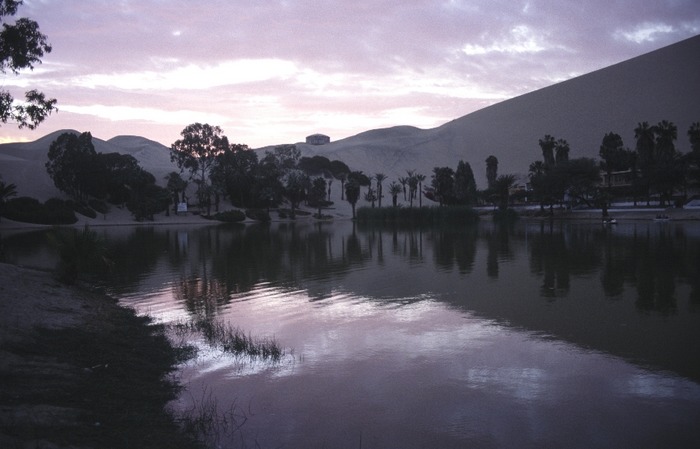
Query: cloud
[(144, 114)]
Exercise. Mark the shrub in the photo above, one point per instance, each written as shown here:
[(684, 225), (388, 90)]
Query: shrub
[(31, 210), (230, 216), (258, 215)]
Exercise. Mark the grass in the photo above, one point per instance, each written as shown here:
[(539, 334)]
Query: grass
[(232, 339)]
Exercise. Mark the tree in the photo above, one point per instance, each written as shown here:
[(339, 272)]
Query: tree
[(645, 138), (442, 183), (7, 191), (71, 164), (394, 190), (464, 185), (547, 145), (317, 194), (176, 186), (501, 188), (380, 177), (491, 171), (420, 179), (233, 174), (352, 193), (412, 182), (694, 137), (196, 152), (295, 184), (22, 46), (371, 196), (561, 151)]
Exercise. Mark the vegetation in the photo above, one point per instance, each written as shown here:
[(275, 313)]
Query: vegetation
[(30, 210), (22, 47), (232, 340), (7, 191), (230, 216), (79, 171)]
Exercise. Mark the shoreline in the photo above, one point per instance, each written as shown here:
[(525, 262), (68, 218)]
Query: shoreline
[(79, 370)]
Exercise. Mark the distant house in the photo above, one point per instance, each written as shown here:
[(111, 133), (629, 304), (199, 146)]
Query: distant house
[(318, 139)]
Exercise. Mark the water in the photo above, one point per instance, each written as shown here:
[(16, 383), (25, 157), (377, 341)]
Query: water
[(535, 335)]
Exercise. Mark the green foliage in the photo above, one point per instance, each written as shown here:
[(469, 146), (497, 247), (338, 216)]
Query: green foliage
[(72, 164), (147, 199), (22, 46), (464, 185), (31, 210), (7, 191), (231, 216), (443, 185)]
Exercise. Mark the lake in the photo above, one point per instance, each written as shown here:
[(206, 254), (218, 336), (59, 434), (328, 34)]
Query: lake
[(533, 335)]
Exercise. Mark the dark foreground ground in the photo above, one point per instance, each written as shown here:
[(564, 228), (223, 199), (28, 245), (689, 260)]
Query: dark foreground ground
[(77, 370)]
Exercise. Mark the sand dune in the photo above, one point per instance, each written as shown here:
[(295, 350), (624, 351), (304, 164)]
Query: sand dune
[(661, 85)]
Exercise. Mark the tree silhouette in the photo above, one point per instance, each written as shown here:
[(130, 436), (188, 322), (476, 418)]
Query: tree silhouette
[(21, 47)]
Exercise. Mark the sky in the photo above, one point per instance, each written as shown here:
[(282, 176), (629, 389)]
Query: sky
[(273, 72)]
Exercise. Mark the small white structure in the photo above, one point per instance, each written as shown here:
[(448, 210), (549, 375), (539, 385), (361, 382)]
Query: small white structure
[(318, 139), (181, 208)]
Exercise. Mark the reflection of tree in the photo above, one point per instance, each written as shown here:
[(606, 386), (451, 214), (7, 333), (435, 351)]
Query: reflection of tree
[(556, 254), (656, 265), (202, 296), (499, 247)]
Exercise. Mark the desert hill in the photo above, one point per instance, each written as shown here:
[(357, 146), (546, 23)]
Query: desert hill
[(661, 85)]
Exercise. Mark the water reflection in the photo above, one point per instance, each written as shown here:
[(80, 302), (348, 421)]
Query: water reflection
[(483, 335)]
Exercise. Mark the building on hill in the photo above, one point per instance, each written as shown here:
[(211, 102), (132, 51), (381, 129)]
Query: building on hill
[(318, 139)]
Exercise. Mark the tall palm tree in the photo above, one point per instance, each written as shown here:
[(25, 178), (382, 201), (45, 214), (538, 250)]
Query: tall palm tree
[(403, 181), (379, 177), (420, 179), (7, 191), (394, 190)]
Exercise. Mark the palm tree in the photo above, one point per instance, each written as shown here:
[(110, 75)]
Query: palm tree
[(394, 190), (379, 177), (352, 194), (502, 188), (7, 191), (420, 179), (403, 182)]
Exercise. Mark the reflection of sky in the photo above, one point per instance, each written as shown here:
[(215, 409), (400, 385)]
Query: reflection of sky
[(402, 353), (421, 372)]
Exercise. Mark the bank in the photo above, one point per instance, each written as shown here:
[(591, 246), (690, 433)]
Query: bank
[(79, 370)]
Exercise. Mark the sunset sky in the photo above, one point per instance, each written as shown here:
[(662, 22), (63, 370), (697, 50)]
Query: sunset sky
[(272, 72)]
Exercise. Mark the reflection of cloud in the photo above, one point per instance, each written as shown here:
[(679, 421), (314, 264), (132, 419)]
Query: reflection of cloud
[(654, 386), (522, 383)]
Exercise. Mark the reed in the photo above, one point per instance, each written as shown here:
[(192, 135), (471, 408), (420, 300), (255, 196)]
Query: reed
[(232, 339)]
